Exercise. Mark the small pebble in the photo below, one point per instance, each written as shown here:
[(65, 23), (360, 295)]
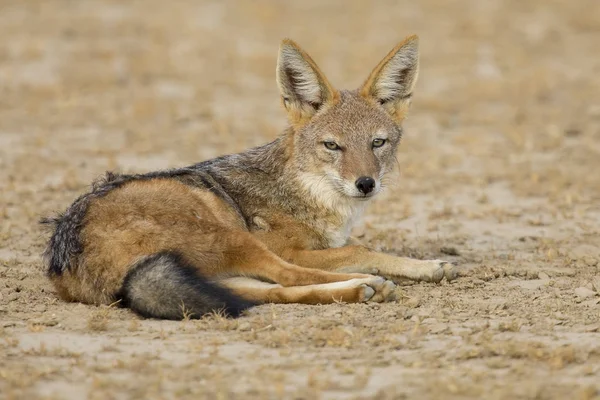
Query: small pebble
[(243, 327), (584, 293), (40, 308), (413, 302), (596, 284)]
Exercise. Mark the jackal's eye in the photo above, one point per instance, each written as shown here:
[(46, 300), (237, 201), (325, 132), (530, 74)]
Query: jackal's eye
[(331, 146), (378, 142)]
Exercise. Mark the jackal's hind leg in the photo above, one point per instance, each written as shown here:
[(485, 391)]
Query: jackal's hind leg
[(375, 289)]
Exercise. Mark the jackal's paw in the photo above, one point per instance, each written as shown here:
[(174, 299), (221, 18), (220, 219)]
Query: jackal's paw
[(386, 293), (366, 293), (436, 270), (450, 271), (377, 289)]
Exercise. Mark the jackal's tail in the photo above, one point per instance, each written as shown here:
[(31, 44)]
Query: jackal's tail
[(164, 285)]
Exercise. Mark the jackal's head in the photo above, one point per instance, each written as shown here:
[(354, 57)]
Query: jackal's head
[(346, 141)]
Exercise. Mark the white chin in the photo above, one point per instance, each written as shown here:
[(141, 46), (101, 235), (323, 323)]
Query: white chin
[(360, 196)]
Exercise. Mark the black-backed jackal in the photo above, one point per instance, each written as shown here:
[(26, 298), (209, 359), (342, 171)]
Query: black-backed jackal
[(270, 224)]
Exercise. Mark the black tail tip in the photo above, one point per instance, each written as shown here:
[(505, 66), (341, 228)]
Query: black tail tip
[(165, 286)]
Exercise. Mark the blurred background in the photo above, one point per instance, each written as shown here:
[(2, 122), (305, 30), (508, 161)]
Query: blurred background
[(502, 144)]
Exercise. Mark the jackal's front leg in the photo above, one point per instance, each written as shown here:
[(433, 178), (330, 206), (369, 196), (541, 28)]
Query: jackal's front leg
[(244, 255), (360, 259)]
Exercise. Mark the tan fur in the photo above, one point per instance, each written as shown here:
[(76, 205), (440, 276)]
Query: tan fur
[(270, 224)]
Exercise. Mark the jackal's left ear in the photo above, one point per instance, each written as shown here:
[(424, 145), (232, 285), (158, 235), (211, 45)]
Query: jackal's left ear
[(303, 87), (392, 81)]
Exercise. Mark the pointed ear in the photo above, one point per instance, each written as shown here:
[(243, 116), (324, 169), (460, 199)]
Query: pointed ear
[(392, 81), (303, 87)]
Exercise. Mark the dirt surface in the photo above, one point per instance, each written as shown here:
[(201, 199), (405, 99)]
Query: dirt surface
[(499, 172)]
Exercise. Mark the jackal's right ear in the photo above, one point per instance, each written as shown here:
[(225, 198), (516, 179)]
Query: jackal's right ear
[(303, 87), (392, 81)]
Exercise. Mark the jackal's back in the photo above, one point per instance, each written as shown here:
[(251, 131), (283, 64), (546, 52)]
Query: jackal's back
[(131, 230)]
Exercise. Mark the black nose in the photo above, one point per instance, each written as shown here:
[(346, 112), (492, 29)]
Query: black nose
[(365, 184)]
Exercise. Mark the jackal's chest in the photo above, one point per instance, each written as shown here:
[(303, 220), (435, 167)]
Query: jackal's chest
[(337, 230), (337, 237), (312, 231)]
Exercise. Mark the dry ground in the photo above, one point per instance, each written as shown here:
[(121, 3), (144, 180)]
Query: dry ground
[(500, 172)]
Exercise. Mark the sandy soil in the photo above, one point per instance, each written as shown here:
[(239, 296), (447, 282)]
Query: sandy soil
[(499, 173)]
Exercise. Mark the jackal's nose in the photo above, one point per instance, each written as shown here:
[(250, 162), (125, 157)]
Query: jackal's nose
[(365, 184)]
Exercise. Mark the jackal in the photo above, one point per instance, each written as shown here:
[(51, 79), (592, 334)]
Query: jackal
[(271, 224)]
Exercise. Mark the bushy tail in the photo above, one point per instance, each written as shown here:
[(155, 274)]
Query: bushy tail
[(165, 286)]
